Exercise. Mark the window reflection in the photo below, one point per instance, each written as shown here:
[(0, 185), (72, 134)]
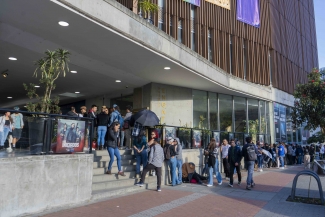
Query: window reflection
[(253, 123), (240, 114), (213, 109), (225, 106), (200, 109)]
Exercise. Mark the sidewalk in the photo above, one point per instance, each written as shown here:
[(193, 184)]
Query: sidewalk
[(268, 198)]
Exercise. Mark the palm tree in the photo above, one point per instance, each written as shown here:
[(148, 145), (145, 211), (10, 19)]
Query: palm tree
[(147, 7), (53, 65)]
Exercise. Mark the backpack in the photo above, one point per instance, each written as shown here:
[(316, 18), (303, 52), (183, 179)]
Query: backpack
[(120, 120), (251, 155), (126, 125), (167, 152)]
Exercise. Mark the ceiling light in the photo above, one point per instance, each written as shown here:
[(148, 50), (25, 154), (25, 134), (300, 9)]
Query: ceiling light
[(73, 71), (9, 97), (37, 86), (76, 92), (63, 23), (4, 74), (167, 68), (118, 81), (12, 58)]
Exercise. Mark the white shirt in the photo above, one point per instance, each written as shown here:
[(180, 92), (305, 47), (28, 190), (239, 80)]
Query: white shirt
[(322, 150), (224, 149)]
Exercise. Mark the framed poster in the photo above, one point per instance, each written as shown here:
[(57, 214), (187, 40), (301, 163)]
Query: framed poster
[(169, 132), (70, 136), (260, 138), (231, 136), (197, 139), (216, 136)]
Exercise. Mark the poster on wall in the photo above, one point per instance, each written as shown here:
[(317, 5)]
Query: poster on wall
[(216, 136), (283, 123), (170, 132), (248, 12), (280, 123), (197, 139), (221, 3), (230, 137), (70, 136), (194, 2)]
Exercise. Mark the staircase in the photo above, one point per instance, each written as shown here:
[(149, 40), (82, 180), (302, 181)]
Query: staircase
[(104, 186)]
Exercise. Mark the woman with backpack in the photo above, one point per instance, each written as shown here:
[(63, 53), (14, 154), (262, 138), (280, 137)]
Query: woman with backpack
[(6, 124), (113, 134), (213, 164), (140, 151)]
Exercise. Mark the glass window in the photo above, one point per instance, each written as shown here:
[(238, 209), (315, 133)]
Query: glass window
[(193, 41), (210, 54), (262, 117), (192, 27), (240, 114), (230, 53), (299, 135), (268, 118), (200, 109), (171, 26), (180, 31), (213, 109), (253, 123), (160, 14), (289, 125), (225, 109)]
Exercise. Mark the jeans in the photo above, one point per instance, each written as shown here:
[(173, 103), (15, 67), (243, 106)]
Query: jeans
[(216, 171), (147, 169), (112, 152), (250, 172), (172, 167), (101, 132), (225, 166), (281, 161), (122, 138), (232, 169), (179, 164), (127, 135), (299, 159), (3, 135), (141, 157), (205, 169), (260, 161)]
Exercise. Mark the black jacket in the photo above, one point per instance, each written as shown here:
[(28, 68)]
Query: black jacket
[(244, 151), (90, 115), (112, 138), (237, 155), (102, 119), (71, 113)]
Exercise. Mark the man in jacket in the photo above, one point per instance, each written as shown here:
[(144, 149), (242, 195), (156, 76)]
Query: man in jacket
[(249, 162), (156, 159), (234, 158), (179, 161), (72, 112)]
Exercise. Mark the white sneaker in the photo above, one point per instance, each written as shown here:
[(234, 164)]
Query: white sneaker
[(282, 168), (9, 149), (209, 185), (93, 149), (86, 149), (227, 179), (261, 170), (220, 183)]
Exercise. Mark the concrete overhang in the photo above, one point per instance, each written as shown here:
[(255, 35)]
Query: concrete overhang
[(108, 42)]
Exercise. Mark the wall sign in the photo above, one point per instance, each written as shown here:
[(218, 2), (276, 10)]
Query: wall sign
[(248, 12), (221, 3), (194, 2)]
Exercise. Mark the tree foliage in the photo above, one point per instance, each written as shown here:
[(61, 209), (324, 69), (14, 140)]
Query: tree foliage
[(147, 6), (309, 107), (49, 68)]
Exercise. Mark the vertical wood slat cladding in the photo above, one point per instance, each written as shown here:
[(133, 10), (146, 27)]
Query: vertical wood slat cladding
[(287, 32)]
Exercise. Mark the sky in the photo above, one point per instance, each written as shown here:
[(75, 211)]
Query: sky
[(320, 30)]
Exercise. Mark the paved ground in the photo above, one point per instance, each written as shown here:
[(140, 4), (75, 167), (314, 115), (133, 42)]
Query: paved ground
[(268, 198)]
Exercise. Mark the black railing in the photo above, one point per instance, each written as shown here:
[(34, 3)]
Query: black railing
[(48, 134)]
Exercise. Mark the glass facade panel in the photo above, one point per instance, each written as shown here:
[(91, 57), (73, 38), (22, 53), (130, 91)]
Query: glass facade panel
[(262, 117), (289, 125), (213, 109), (268, 123), (240, 114), (200, 109), (225, 109), (180, 31), (253, 122)]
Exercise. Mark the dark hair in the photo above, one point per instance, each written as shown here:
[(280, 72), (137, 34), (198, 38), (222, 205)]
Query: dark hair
[(114, 124), (128, 107), (73, 108), (93, 106), (117, 108), (232, 140), (249, 139), (156, 133), (213, 144), (141, 134)]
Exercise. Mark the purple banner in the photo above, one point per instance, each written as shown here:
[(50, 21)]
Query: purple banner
[(194, 2), (248, 12)]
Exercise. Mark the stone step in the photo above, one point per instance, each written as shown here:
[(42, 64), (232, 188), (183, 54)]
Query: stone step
[(107, 158), (104, 152), (102, 194), (102, 163), (105, 177), (102, 170)]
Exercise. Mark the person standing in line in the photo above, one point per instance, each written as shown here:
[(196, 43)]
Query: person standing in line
[(299, 154), (234, 158), (170, 156), (140, 150), (116, 117), (249, 152), (102, 123), (293, 161), (155, 162), (18, 125), (72, 112), (6, 124), (179, 161), (83, 112), (224, 151), (281, 153), (259, 158), (307, 159), (212, 153), (127, 127), (290, 150), (113, 133)]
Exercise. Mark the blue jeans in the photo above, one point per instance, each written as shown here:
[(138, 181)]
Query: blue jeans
[(172, 167), (3, 135), (281, 161), (122, 138), (260, 161), (112, 152), (250, 172), (179, 164), (216, 171), (299, 161), (141, 157), (101, 132)]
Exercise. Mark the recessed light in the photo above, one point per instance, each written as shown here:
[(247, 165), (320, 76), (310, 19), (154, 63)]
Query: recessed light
[(118, 81), (73, 71), (9, 97), (167, 68), (77, 92), (12, 58), (63, 23), (37, 86)]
